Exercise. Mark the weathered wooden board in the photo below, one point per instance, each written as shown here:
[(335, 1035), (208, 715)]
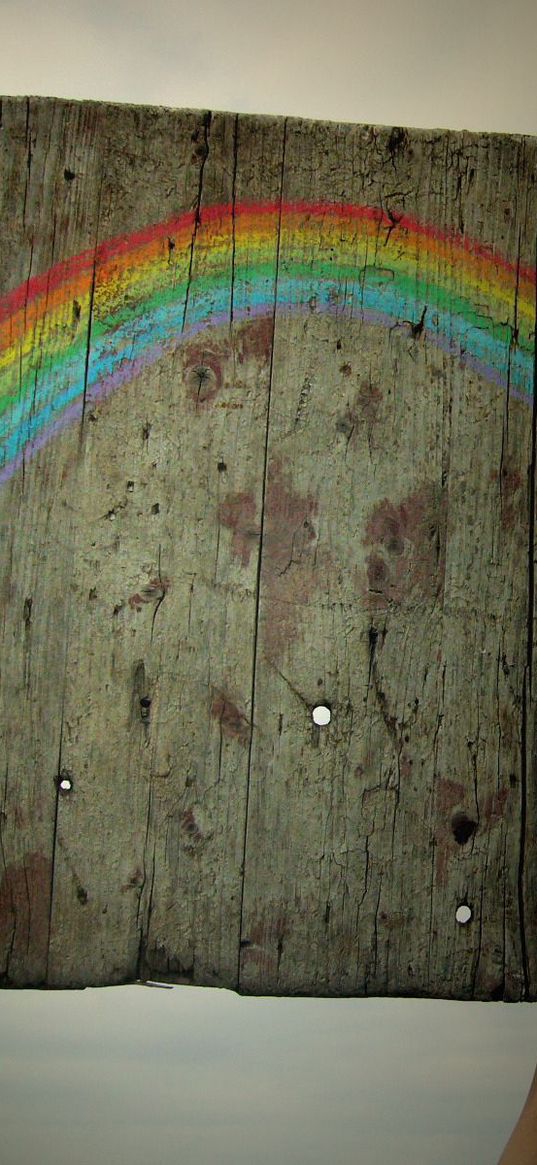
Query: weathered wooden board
[(268, 442)]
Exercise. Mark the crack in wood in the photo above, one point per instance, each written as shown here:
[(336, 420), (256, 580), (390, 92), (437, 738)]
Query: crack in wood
[(260, 551), (197, 216)]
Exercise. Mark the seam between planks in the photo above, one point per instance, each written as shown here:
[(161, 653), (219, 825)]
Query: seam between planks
[(262, 525), (527, 682)]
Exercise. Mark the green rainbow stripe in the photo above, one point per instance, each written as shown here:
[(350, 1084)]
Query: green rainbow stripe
[(138, 296)]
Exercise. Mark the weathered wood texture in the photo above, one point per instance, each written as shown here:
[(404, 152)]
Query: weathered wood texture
[(268, 441)]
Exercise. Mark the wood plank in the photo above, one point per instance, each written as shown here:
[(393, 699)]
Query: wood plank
[(288, 460), (46, 217), (397, 520)]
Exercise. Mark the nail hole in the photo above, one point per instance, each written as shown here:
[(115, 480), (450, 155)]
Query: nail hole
[(462, 827), (222, 467), (321, 714), (203, 381), (463, 914), (130, 486), (155, 509)]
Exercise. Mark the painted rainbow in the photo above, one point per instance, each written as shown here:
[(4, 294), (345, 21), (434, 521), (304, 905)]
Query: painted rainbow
[(92, 323)]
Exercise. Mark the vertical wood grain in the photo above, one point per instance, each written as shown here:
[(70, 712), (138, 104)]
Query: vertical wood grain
[(285, 499)]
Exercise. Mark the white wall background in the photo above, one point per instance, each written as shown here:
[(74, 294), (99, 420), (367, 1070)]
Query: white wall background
[(434, 63)]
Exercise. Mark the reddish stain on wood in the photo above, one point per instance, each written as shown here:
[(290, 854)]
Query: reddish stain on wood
[(449, 795), (290, 533), (265, 942), (190, 826), (135, 880), (233, 722), (288, 558), (367, 404), (237, 512), (406, 764), (255, 339), (363, 413), (494, 804), (408, 539), (209, 361), (204, 380), (202, 361), (155, 590), (25, 891), (511, 482), (159, 962), (393, 920)]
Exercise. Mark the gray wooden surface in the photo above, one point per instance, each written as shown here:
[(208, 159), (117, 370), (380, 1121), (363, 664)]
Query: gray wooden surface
[(300, 507)]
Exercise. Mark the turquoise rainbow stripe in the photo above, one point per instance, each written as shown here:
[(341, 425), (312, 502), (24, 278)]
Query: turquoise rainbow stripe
[(138, 296)]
